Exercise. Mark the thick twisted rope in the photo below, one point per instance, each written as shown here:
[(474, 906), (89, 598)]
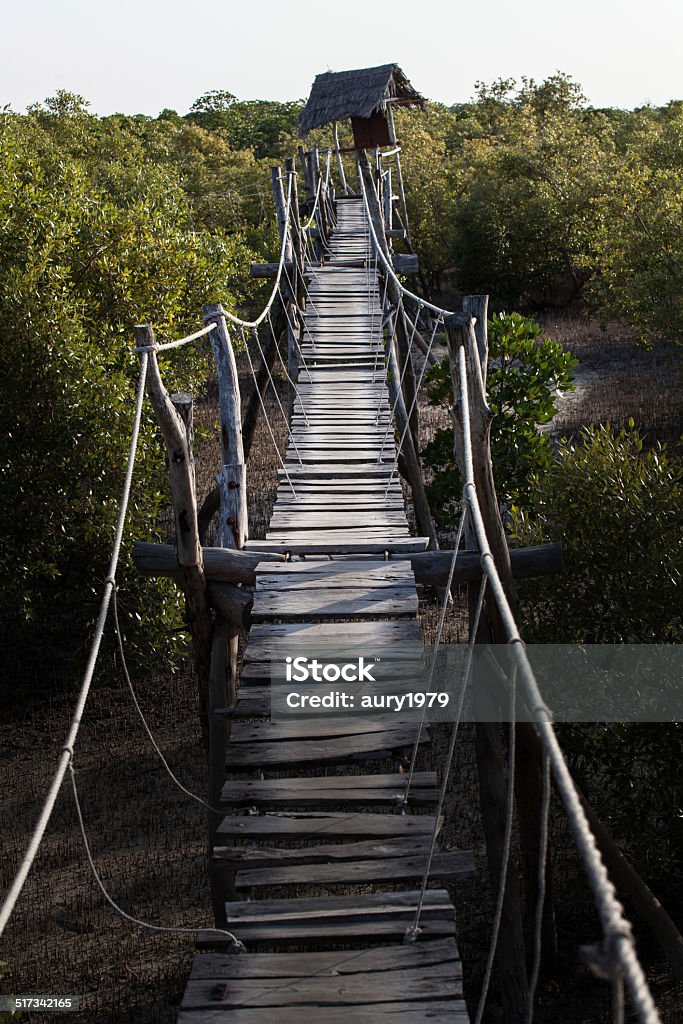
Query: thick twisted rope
[(618, 938), (68, 748)]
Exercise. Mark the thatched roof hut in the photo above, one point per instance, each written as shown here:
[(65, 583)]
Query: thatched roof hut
[(363, 94)]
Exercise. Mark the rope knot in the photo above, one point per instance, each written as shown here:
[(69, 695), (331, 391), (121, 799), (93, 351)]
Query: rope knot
[(411, 935)]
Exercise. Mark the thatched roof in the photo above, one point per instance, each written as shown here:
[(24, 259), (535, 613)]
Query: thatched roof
[(336, 95)]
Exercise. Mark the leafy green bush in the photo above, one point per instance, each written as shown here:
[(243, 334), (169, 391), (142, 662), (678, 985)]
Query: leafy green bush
[(639, 244), (259, 125), (529, 164), (524, 373), (617, 510), (89, 246)]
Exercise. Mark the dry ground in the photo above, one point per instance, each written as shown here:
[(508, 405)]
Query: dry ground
[(148, 839)]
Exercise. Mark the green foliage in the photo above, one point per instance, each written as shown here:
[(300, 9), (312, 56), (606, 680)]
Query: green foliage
[(530, 195), (617, 510), (90, 244), (524, 373), (259, 125), (530, 169), (639, 243), (429, 177)]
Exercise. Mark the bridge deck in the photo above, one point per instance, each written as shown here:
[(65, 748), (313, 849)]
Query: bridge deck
[(303, 837)]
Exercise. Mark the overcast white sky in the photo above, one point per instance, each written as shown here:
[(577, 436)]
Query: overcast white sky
[(139, 56)]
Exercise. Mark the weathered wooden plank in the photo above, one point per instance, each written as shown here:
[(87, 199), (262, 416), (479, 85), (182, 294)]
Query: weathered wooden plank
[(356, 519), (451, 1011), (343, 505), (264, 637), (279, 856), (418, 956), (324, 825), (317, 728), (447, 867), (377, 904), (311, 573), (380, 789), (434, 982), (339, 544), (369, 632), (335, 750), (318, 931), (303, 605)]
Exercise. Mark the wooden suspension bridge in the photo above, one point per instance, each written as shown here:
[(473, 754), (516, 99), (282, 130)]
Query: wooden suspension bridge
[(323, 829), (326, 872), (318, 823)]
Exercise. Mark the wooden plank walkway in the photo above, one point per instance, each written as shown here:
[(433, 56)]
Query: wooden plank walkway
[(290, 841)]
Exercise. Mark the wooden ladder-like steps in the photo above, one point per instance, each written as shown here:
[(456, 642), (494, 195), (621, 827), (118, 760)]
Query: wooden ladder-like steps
[(333, 827)]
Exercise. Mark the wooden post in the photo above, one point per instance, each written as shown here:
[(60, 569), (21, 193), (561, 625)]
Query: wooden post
[(290, 299), (281, 210), (321, 215), (529, 754), (218, 729), (399, 176), (388, 204), (294, 321), (306, 168), (189, 551), (233, 528), (340, 162), (253, 409), (478, 306), (406, 372), (510, 954), (411, 459), (298, 246)]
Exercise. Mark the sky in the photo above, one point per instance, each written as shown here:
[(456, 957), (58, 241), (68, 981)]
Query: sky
[(141, 56)]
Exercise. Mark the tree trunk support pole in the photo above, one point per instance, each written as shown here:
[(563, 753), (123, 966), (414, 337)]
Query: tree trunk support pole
[(289, 293), (188, 546), (340, 162), (233, 532), (510, 951)]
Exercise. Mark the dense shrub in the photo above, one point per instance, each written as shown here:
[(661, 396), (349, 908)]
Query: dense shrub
[(90, 244), (617, 510), (525, 372)]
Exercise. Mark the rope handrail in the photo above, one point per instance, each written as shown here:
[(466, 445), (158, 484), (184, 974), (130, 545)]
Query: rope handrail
[(390, 270), (616, 928), (67, 751), (175, 344), (306, 226)]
